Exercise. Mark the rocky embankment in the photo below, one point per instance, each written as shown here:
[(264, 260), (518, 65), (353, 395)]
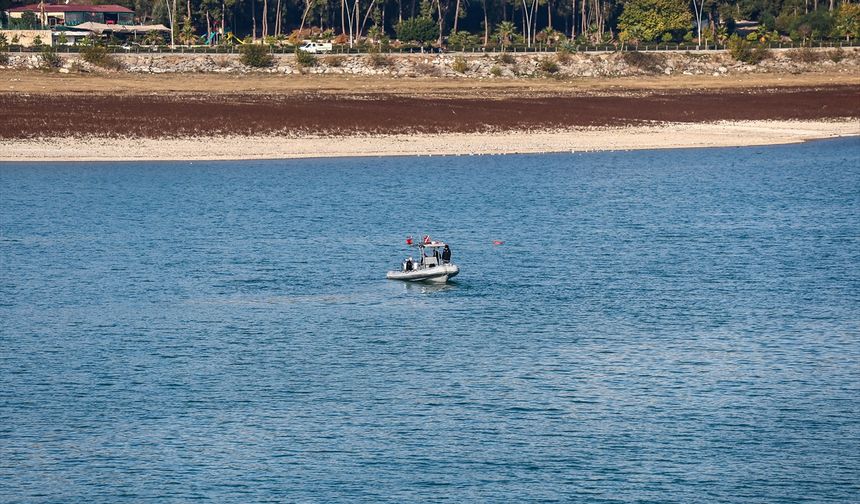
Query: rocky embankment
[(480, 66)]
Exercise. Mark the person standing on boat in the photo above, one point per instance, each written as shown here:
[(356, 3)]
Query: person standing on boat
[(446, 254), (408, 266)]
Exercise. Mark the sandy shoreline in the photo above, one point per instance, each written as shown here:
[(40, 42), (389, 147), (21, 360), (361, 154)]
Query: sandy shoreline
[(661, 136)]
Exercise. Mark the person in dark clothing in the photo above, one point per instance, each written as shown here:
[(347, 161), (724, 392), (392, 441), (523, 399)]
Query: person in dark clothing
[(446, 255), (408, 264)]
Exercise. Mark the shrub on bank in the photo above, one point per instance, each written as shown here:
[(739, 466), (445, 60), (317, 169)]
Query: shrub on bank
[(427, 69), (98, 55), (334, 60), (747, 52), (506, 58), (563, 56), (647, 62), (48, 58), (4, 46), (547, 65), (836, 55), (379, 60), (459, 65), (305, 59), (256, 56), (804, 55)]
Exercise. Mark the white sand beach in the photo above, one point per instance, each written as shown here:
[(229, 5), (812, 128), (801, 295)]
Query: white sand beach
[(658, 136)]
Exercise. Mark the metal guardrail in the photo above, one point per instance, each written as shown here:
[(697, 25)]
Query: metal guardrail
[(345, 50)]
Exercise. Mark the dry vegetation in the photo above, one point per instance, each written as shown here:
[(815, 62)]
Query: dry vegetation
[(647, 62), (28, 81), (151, 115)]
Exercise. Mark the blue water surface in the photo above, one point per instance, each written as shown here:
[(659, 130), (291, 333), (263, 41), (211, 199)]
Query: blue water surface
[(658, 326)]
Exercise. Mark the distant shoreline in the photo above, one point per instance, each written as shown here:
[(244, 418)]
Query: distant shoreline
[(238, 147), (126, 117)]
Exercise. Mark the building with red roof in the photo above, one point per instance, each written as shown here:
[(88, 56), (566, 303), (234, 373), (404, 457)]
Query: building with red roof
[(73, 15)]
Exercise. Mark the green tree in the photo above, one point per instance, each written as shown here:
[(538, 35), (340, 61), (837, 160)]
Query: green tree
[(461, 39), (27, 21), (187, 35), (847, 21), (648, 20), (417, 29)]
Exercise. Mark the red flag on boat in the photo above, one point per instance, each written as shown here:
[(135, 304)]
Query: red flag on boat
[(409, 240), (427, 239)]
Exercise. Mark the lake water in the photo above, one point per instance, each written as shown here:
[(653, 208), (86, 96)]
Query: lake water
[(660, 326)]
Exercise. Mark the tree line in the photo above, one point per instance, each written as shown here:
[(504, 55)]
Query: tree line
[(500, 22)]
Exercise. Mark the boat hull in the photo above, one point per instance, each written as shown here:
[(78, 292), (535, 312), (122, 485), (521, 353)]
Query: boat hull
[(436, 274)]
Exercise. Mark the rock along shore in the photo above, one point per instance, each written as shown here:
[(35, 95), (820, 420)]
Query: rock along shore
[(479, 66)]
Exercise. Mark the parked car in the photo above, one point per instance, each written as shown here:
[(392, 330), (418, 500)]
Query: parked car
[(316, 47)]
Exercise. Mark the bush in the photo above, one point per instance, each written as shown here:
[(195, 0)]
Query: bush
[(648, 62), (547, 65), (305, 59), (77, 67), (506, 59), (836, 55), (221, 62), (378, 60), (496, 71), (563, 56), (48, 58), (459, 65), (256, 56), (747, 52), (427, 69), (334, 61), (4, 46), (804, 55), (98, 55)]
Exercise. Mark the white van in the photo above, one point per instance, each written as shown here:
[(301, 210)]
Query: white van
[(315, 47)]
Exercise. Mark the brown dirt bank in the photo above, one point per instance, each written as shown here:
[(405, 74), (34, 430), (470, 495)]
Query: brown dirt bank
[(207, 114), (18, 81)]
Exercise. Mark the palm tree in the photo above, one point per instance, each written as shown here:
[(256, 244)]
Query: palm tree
[(505, 32)]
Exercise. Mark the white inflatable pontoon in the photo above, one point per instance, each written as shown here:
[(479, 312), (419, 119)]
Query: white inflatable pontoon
[(430, 267)]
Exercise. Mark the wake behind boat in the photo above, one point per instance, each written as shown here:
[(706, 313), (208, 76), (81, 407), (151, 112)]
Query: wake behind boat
[(433, 264)]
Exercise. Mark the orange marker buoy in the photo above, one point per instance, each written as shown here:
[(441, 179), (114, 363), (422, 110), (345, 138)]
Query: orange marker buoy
[(498, 242)]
